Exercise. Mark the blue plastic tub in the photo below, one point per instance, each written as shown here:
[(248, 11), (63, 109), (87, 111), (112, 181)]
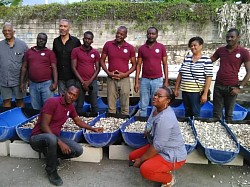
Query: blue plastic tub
[(133, 105), (219, 156), (25, 133), (239, 112), (179, 110), (102, 104), (133, 139), (189, 147), (243, 150), (103, 139), (8, 122), (207, 110), (27, 102)]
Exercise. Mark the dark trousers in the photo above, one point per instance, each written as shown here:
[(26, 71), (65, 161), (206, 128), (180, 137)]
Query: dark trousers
[(223, 98), (192, 105), (93, 92), (47, 144)]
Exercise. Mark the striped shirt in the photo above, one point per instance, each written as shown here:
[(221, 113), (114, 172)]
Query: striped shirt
[(195, 73)]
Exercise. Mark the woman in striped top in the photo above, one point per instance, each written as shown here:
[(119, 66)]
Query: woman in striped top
[(195, 75)]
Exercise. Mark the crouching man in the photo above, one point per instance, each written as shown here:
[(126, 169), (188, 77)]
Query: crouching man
[(46, 138)]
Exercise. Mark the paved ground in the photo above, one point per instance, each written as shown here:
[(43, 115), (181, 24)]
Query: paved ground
[(16, 172)]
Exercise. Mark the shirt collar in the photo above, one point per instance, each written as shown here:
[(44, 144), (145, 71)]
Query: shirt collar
[(62, 101), (125, 44), (87, 51), (151, 46), (34, 49)]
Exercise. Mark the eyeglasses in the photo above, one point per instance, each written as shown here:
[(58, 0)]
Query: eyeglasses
[(159, 96)]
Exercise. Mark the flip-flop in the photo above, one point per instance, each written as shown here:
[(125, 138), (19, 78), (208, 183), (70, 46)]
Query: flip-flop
[(170, 184)]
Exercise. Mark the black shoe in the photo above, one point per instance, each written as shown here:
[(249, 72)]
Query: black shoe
[(55, 179)]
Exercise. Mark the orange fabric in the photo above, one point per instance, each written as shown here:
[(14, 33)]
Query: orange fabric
[(156, 168)]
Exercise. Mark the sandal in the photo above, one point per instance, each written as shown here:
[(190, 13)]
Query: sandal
[(170, 184)]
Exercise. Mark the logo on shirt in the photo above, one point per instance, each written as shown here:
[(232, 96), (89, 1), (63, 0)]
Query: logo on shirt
[(68, 113), (92, 56), (125, 51), (42, 54), (157, 50), (237, 55)]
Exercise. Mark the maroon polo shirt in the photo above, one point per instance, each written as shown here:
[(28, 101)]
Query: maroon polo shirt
[(230, 63), (85, 61), (152, 60), (39, 64), (60, 112), (118, 57)]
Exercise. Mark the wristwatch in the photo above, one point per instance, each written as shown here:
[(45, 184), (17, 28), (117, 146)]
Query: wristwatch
[(241, 87)]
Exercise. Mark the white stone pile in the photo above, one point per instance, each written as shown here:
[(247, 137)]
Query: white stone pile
[(213, 135), (30, 124), (187, 133), (109, 124), (68, 126), (136, 127), (242, 132)]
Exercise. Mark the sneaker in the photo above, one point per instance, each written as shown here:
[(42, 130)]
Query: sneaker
[(55, 179), (170, 184)]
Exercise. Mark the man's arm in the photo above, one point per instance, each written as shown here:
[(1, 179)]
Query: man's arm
[(45, 121), (73, 66), (23, 76), (84, 125), (165, 70), (137, 74), (55, 77), (247, 76), (97, 70), (103, 64)]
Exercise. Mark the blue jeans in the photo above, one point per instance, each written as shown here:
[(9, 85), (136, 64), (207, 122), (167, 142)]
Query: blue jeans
[(223, 98), (47, 144), (147, 89), (192, 105), (93, 97), (39, 93)]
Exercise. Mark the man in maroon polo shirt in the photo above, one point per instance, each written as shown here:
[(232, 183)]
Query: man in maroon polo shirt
[(119, 53), (227, 85), (40, 62), (46, 133), (86, 66), (152, 55)]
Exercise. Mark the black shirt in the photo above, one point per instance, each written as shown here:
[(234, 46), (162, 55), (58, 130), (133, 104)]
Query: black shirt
[(63, 55)]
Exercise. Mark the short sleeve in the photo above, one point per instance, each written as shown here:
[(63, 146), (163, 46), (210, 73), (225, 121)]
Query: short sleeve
[(105, 49), (132, 51), (49, 107), (74, 54), (52, 57)]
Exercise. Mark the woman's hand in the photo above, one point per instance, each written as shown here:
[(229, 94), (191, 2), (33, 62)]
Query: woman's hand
[(203, 98), (137, 163)]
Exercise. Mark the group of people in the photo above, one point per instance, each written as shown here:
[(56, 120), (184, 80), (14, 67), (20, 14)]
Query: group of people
[(73, 68)]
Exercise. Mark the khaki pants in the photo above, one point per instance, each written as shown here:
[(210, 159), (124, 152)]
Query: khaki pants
[(118, 89)]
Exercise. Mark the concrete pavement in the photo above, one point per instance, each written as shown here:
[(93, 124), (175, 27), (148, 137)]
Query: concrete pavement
[(17, 172)]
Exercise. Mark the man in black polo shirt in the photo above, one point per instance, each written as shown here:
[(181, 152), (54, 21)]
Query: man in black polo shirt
[(63, 46)]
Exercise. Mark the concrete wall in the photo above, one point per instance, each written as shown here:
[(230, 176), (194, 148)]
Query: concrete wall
[(175, 36)]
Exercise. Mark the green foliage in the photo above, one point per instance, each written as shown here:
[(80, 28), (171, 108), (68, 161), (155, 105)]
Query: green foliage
[(10, 2), (145, 14)]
